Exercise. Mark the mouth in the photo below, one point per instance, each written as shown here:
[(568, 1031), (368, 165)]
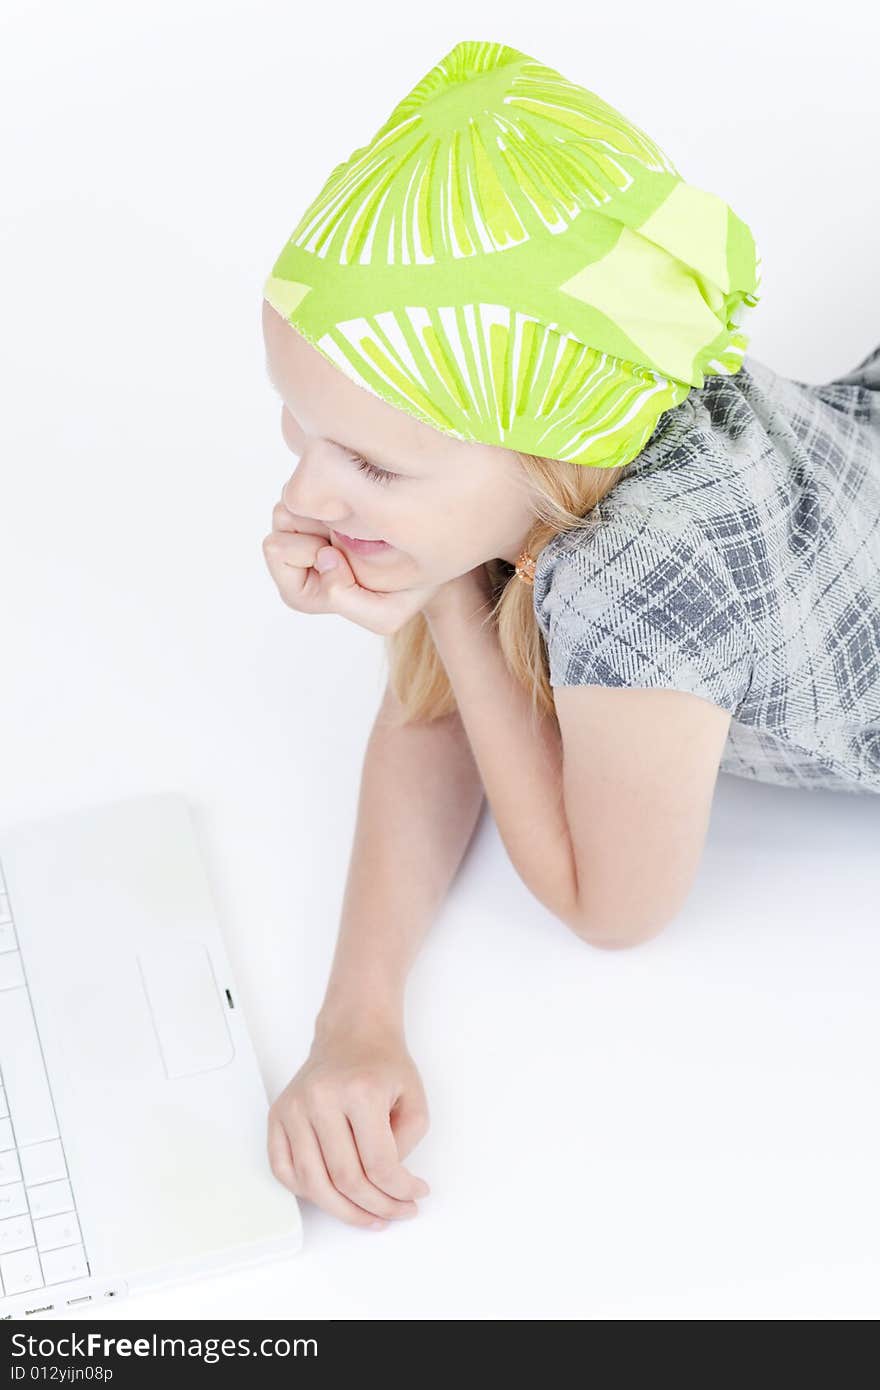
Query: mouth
[(360, 547)]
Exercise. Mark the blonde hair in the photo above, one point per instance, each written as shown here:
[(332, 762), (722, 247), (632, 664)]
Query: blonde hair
[(563, 494)]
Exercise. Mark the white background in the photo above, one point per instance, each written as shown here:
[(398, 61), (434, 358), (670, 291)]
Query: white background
[(686, 1130)]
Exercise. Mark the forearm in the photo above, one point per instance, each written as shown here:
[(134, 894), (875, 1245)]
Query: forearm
[(519, 756), (420, 799)]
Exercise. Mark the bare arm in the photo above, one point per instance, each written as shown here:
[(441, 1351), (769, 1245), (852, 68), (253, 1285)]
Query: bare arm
[(571, 796), (519, 759), (340, 1130), (420, 799)]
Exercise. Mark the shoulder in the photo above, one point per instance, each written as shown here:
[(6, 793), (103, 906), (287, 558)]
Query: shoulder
[(628, 538), (642, 596)]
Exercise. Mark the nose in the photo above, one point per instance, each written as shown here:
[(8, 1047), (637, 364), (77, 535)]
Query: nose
[(306, 494)]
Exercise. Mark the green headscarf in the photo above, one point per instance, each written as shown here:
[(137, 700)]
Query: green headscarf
[(513, 262)]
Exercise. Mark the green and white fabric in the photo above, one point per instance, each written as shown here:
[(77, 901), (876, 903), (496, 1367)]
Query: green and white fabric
[(512, 261)]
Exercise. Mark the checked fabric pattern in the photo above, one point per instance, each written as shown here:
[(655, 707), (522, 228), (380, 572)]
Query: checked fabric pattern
[(738, 558)]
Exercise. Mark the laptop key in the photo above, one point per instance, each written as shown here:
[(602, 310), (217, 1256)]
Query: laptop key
[(42, 1162), (13, 1201), (15, 1233), (46, 1199), (9, 1169), (21, 1271), (53, 1231), (60, 1265)]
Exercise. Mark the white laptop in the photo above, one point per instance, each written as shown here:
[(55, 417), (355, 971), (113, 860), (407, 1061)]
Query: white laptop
[(132, 1109)]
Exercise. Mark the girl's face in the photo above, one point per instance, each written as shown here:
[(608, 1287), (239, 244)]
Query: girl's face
[(373, 472)]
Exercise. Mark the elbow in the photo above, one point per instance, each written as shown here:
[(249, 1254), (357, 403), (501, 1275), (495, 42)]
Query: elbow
[(617, 934), (611, 923), (619, 939)]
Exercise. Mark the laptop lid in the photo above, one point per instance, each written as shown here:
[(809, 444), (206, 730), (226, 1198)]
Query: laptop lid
[(153, 1083)]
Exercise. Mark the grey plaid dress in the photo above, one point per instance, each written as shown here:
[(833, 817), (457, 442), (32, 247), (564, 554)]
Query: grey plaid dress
[(739, 558)]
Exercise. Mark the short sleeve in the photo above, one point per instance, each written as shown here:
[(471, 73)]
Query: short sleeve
[(632, 603)]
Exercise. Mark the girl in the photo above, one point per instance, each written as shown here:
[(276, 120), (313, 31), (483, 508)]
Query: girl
[(610, 554)]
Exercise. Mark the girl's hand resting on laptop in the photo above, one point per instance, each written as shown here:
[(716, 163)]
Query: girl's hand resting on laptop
[(292, 550), (338, 1132)]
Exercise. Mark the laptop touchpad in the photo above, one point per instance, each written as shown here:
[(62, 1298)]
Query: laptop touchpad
[(188, 1016)]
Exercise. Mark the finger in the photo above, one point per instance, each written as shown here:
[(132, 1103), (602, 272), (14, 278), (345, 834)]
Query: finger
[(343, 1164), (379, 1153), (312, 1179), (409, 1121), (280, 1157), (293, 548), (283, 519), (290, 561), (340, 592)]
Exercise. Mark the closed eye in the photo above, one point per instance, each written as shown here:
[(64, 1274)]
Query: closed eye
[(378, 475)]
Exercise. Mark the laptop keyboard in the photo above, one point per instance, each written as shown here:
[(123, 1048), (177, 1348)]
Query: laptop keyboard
[(40, 1239)]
